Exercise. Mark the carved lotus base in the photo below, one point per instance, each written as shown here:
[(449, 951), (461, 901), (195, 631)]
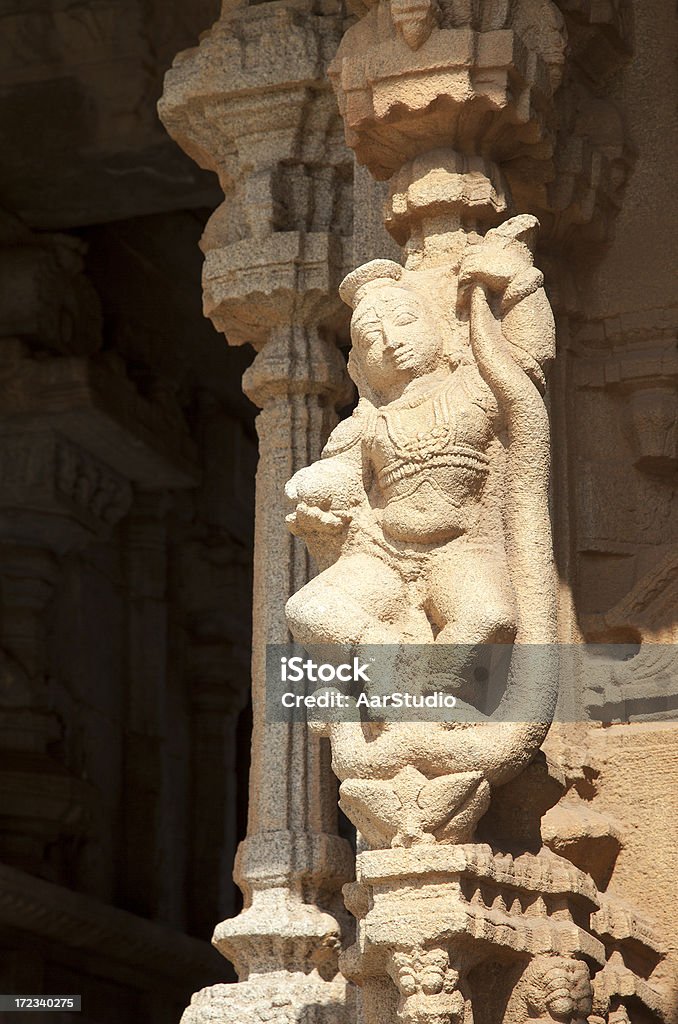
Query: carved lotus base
[(410, 809)]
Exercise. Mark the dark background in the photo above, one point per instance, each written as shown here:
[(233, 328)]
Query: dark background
[(126, 513)]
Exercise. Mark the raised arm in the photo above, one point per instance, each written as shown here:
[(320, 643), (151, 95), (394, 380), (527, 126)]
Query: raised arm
[(512, 336)]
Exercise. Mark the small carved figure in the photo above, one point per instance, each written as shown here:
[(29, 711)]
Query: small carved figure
[(559, 990), (429, 987), (414, 20)]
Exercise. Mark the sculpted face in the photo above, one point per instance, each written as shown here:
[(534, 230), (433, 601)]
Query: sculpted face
[(394, 338)]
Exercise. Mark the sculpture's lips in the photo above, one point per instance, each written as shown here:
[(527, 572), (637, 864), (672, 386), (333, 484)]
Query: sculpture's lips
[(403, 359)]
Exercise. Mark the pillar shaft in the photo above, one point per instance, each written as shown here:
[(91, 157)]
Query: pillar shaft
[(252, 103)]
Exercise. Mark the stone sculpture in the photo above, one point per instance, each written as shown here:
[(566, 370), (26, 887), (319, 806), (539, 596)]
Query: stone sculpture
[(428, 515), (478, 894)]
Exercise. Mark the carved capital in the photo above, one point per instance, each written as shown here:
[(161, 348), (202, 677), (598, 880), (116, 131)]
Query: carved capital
[(251, 104), (489, 80), (297, 361)]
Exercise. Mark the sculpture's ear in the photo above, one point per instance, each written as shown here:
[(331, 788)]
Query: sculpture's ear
[(523, 228)]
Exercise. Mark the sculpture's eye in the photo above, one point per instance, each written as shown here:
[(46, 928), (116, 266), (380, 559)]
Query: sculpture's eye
[(404, 318)]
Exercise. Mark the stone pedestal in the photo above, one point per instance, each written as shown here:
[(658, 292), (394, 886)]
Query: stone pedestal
[(442, 930)]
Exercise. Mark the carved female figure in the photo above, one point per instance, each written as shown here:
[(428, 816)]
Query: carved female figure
[(427, 512), (406, 479)]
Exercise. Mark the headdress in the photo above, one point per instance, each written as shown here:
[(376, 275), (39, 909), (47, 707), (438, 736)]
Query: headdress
[(382, 272)]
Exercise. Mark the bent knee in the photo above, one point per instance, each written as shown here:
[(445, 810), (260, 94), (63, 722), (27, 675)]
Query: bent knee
[(496, 617), (499, 626), (301, 612)]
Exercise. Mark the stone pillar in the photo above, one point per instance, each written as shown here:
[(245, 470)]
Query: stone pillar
[(457, 106), (144, 882), (214, 721), (75, 437), (211, 570), (252, 104)]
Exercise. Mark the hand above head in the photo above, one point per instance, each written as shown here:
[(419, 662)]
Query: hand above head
[(489, 264), (504, 255)]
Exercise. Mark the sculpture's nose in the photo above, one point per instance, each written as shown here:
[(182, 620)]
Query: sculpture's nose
[(390, 339)]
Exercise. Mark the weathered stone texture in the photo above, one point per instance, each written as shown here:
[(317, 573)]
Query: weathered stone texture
[(471, 113), (416, 140)]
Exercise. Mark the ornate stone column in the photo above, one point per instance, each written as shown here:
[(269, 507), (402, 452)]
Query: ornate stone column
[(428, 516), (457, 106), (252, 103)]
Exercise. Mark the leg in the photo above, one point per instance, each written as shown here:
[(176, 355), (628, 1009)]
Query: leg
[(471, 602), (470, 598), (356, 601)]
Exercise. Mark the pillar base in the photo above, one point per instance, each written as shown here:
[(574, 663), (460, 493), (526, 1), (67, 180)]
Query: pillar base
[(279, 997)]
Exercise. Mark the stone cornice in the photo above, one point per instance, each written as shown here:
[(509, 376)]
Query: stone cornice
[(120, 942)]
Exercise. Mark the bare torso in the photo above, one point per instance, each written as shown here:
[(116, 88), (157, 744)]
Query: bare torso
[(430, 461)]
